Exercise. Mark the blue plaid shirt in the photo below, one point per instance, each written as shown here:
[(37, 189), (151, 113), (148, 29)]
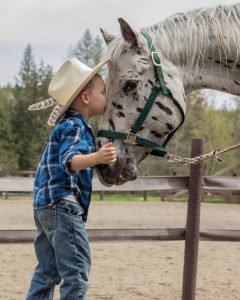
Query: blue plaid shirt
[(54, 178)]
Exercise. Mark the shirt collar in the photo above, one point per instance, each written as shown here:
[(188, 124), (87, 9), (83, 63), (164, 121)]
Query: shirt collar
[(73, 113)]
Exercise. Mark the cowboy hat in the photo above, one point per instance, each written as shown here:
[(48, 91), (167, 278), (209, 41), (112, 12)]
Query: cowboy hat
[(66, 84)]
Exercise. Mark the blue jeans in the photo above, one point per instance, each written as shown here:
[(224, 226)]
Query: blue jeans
[(63, 253)]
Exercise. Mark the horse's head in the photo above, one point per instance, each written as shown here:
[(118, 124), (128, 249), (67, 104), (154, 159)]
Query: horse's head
[(130, 82)]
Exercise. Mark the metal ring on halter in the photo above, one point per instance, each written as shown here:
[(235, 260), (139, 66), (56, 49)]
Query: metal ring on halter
[(154, 61)]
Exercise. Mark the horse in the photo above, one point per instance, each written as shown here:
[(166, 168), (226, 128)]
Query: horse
[(150, 74)]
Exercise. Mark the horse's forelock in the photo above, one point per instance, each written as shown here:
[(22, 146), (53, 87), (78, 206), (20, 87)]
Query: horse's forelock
[(120, 46)]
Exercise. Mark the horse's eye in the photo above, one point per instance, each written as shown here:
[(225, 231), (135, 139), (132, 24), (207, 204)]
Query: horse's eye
[(130, 85)]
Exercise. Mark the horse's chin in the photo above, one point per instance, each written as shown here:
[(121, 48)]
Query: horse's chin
[(117, 173)]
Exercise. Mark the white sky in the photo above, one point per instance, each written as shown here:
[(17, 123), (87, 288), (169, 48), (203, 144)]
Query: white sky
[(51, 26)]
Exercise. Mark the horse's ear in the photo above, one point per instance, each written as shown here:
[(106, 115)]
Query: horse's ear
[(127, 32), (108, 37)]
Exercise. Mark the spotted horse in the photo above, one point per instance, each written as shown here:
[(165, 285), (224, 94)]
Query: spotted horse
[(150, 74)]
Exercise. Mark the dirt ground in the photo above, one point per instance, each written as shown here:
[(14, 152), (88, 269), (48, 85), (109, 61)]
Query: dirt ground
[(133, 270)]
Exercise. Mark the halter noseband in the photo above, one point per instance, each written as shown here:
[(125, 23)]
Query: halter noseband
[(132, 136)]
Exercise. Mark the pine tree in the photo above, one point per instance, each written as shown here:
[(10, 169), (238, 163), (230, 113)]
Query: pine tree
[(88, 50), (8, 155), (29, 128)]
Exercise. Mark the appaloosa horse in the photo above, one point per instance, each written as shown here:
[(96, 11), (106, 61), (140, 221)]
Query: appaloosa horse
[(150, 73)]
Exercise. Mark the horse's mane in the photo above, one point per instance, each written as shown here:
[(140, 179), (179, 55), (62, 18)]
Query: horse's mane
[(188, 35), (185, 37)]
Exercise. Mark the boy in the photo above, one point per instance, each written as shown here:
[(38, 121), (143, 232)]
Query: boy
[(63, 183)]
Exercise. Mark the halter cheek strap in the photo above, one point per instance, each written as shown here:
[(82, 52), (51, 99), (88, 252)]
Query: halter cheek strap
[(132, 136)]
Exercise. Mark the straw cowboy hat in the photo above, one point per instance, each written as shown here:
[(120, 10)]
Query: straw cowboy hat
[(67, 83)]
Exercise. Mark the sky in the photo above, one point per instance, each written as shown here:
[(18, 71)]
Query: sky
[(51, 26)]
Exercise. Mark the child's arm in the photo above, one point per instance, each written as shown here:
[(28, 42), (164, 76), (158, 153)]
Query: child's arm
[(105, 155)]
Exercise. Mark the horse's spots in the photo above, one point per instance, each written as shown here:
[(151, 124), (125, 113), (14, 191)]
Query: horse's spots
[(169, 75), (155, 118), (135, 96), (139, 109), (150, 81), (230, 61), (200, 77), (156, 134), (118, 106), (164, 108), (141, 128), (120, 114), (223, 89), (111, 124), (169, 126)]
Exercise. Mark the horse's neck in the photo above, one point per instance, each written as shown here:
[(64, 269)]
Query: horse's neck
[(206, 51)]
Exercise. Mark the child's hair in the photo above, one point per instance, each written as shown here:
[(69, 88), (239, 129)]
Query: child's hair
[(88, 87)]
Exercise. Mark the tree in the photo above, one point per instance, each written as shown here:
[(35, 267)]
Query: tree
[(29, 128), (8, 155), (88, 50)]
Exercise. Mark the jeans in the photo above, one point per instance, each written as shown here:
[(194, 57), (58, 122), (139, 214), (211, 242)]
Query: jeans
[(63, 253)]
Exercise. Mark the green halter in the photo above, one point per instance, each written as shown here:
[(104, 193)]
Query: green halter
[(132, 136)]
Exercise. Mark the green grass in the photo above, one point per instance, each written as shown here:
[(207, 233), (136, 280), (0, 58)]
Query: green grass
[(124, 197)]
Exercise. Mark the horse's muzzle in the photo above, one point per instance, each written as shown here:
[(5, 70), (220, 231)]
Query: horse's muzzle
[(123, 170)]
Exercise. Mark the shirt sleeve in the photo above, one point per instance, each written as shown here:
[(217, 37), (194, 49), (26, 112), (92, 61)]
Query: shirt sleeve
[(71, 143)]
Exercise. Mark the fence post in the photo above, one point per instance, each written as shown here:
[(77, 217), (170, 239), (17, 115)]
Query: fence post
[(193, 224), (101, 195), (145, 196)]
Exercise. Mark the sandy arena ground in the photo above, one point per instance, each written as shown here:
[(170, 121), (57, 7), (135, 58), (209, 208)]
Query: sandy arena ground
[(133, 271)]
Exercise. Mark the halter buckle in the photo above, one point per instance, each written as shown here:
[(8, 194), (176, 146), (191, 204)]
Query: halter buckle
[(131, 137), (154, 61)]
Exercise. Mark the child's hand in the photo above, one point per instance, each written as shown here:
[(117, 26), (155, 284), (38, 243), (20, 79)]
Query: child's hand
[(107, 154)]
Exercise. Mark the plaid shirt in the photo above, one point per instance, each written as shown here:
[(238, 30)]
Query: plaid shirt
[(54, 178)]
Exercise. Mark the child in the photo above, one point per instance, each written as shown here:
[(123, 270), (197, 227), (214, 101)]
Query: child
[(63, 183)]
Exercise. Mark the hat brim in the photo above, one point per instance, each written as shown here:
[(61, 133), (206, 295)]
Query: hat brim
[(83, 84)]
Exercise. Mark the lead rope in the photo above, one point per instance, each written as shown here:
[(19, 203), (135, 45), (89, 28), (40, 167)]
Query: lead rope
[(174, 159)]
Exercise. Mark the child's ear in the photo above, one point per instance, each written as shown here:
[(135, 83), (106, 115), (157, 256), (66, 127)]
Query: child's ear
[(85, 97)]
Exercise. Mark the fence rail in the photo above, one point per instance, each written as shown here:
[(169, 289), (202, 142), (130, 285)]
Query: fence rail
[(126, 235), (149, 183)]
